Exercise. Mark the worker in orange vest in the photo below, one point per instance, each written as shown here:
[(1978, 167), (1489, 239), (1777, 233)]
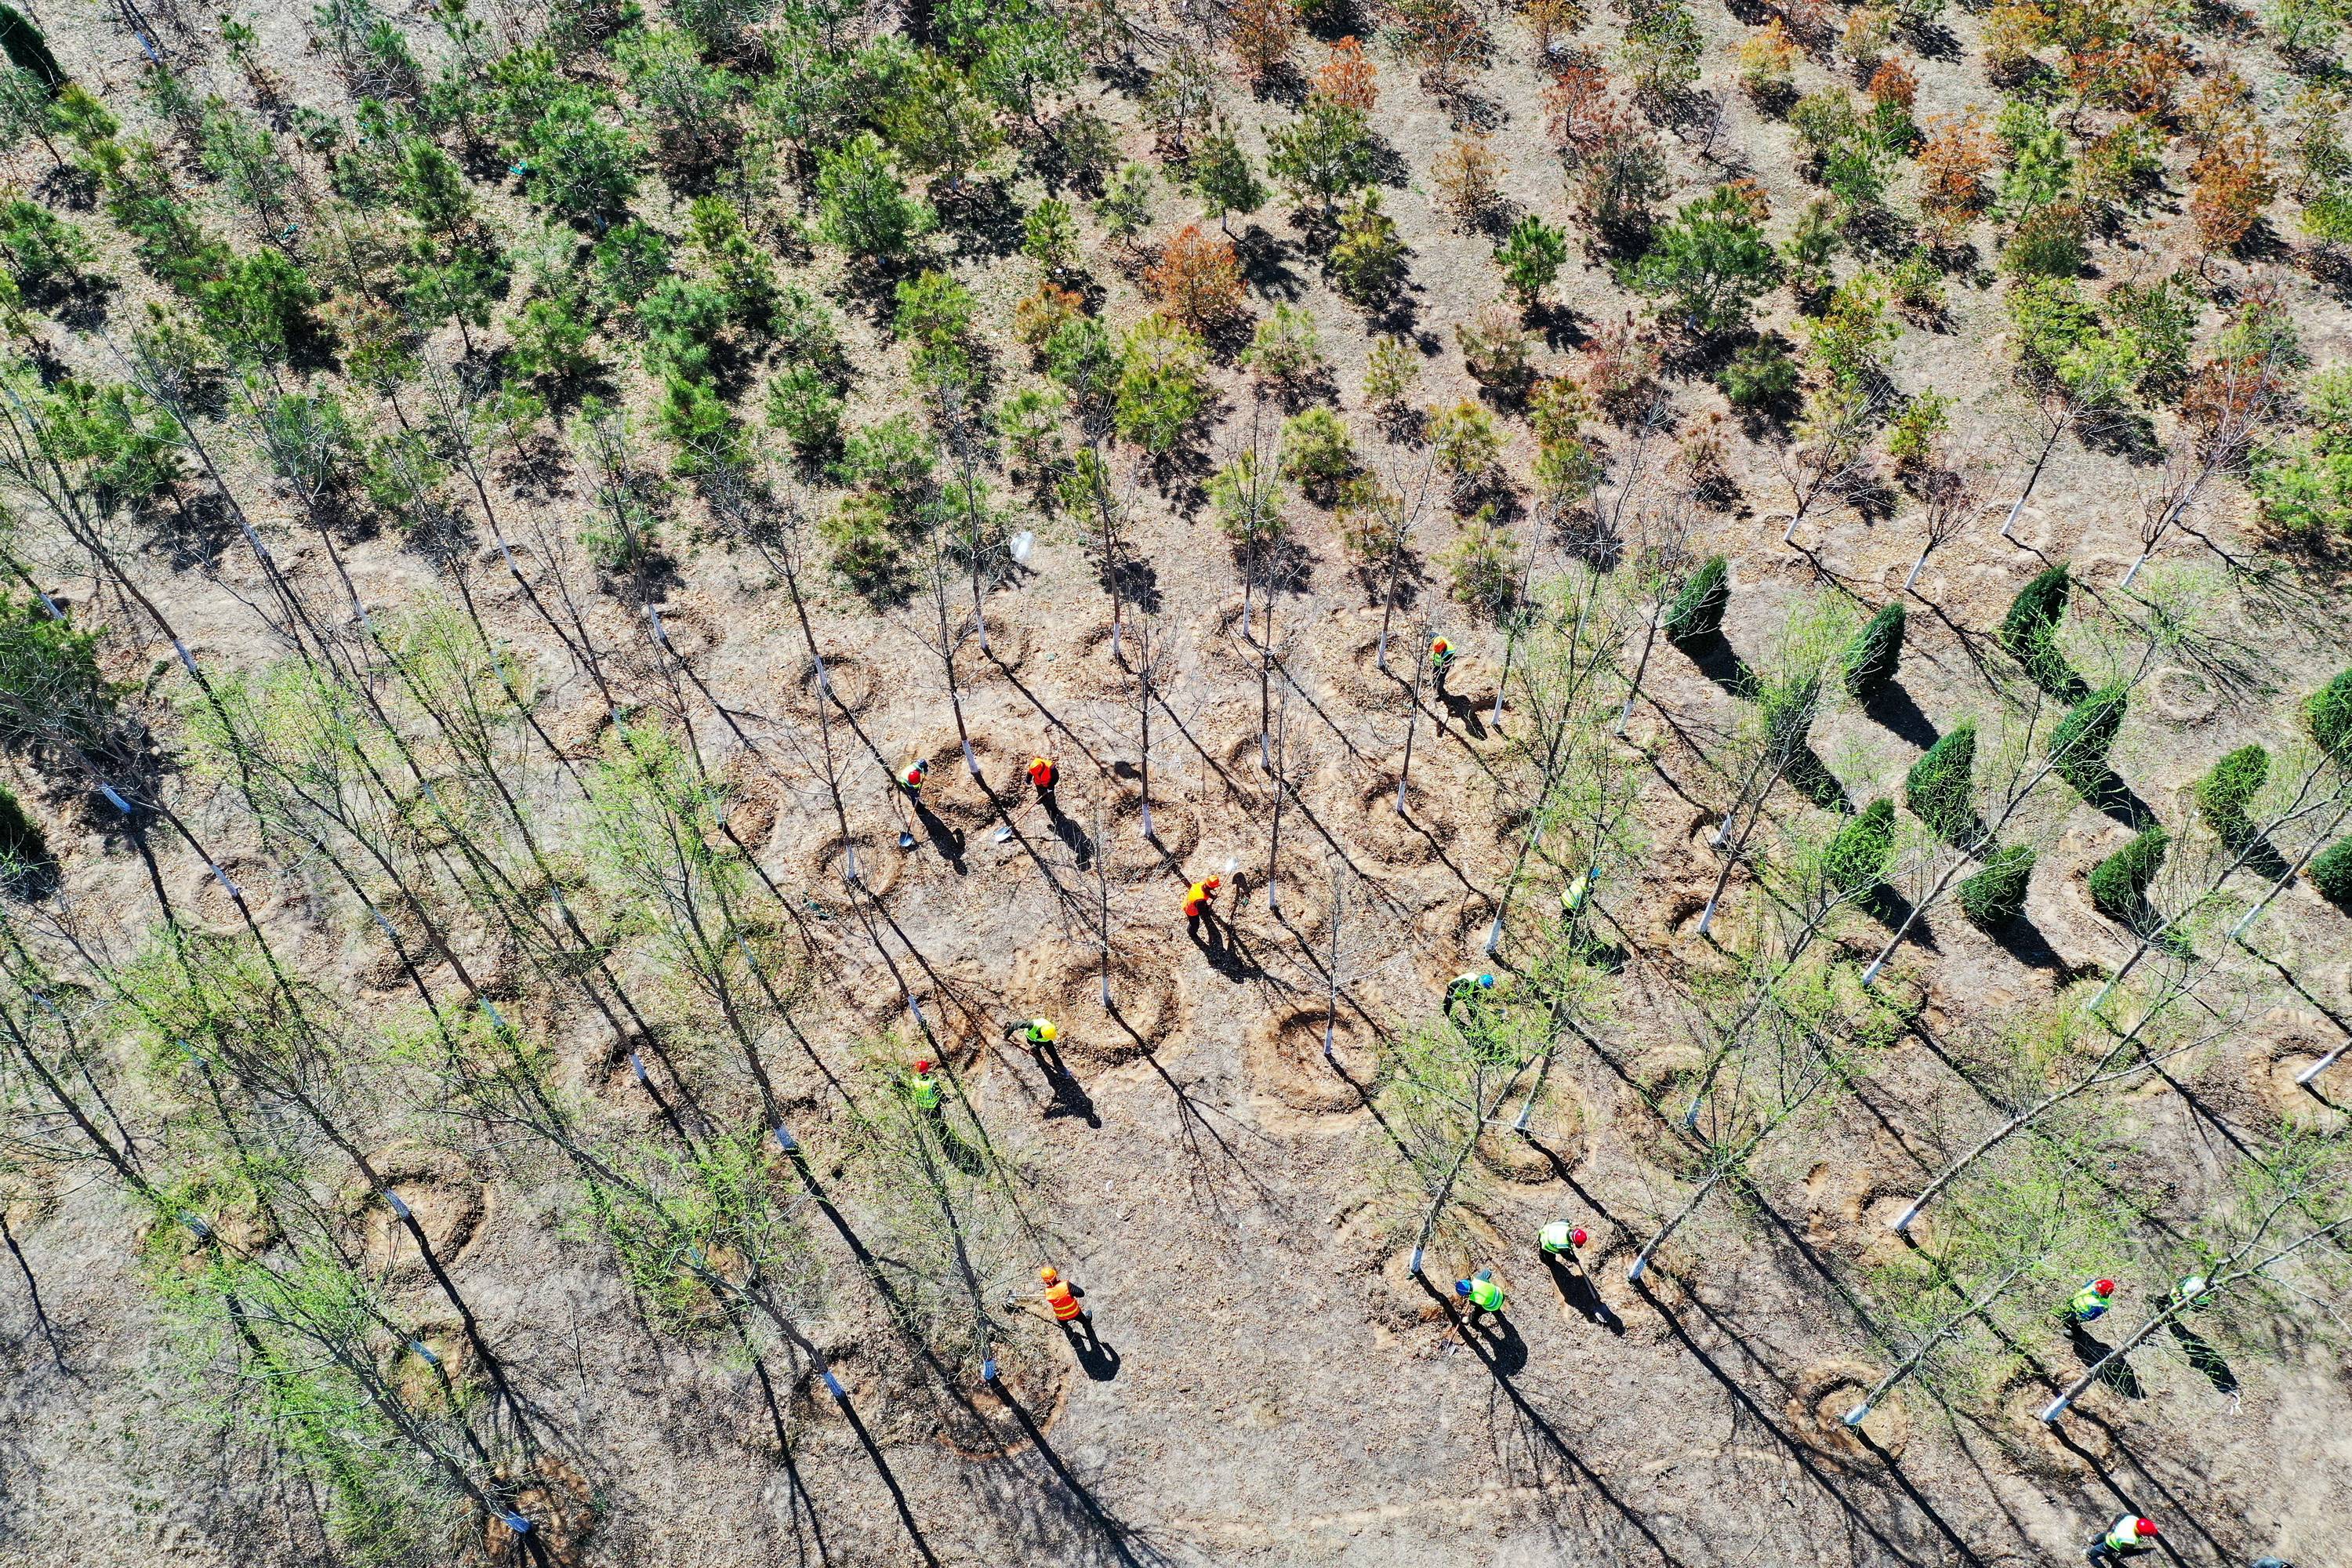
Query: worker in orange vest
[(910, 793), (1200, 906), (1063, 1300), (1042, 775)]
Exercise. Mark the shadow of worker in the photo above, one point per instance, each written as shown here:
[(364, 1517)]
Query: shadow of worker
[(1098, 1359), (1576, 1289)]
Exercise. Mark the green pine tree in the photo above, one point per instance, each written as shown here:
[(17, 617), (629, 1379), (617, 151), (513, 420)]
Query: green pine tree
[(1996, 896), (1697, 611), (1940, 788), (1871, 658)]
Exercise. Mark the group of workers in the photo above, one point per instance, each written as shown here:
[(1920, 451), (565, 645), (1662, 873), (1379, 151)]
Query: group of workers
[(1479, 1296), (1041, 774)]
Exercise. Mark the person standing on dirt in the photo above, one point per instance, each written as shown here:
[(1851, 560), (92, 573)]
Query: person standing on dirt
[(1480, 1296), (1200, 908), (1062, 1299), (1441, 664), (1034, 1032), (2131, 1536), (1042, 775), (910, 796), (2089, 1304), (1560, 1241)]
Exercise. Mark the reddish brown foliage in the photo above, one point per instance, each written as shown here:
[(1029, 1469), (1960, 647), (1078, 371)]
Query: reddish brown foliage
[(1953, 164), (1894, 82), (2234, 183), (1261, 37), (1577, 110), (1348, 78), (1197, 277)]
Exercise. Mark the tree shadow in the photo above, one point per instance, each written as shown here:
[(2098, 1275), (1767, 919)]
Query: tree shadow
[(1716, 659), (2090, 1350), (1507, 1352), (1891, 707), (1265, 259), (2111, 796), (2023, 941)]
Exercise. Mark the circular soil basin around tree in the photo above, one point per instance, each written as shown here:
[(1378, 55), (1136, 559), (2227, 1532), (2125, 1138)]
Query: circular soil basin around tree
[(561, 1509), (443, 1194), (880, 864), (848, 676), (1818, 1402), (1392, 840), (1285, 1061), (1010, 644), (1064, 982), (1176, 835), (980, 1425), (2318, 1107)]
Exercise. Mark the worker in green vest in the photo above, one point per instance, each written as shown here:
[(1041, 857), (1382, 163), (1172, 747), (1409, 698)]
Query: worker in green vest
[(1481, 1294), (2129, 1536), (2089, 1304), (922, 1089), (1466, 988), (1559, 1240)]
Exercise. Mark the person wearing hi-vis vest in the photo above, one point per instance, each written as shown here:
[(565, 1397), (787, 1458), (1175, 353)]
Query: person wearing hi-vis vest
[(2131, 1536), (922, 1089), (910, 792), (1033, 1033), (1560, 1241), (1481, 1295), (1441, 662), (2089, 1304)]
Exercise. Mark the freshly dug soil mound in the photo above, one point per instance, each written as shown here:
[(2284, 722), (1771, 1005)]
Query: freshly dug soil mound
[(1452, 939), (1818, 1401), (1088, 668), (959, 1020), (1285, 1061), (1511, 1158), (753, 806)]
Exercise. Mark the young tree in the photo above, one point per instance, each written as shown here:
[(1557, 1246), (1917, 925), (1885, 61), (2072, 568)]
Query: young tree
[(1197, 280), (1531, 257), (863, 206), (1710, 261)]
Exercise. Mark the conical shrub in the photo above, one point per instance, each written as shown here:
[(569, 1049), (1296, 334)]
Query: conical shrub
[(2120, 883), (1871, 658), (2328, 714), (1697, 611), (1855, 861), (2080, 743), (2223, 794), (1940, 788), (2029, 633), (2331, 873), (1995, 896)]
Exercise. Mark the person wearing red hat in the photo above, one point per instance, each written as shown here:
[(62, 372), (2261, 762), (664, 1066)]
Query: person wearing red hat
[(2089, 1304), (2129, 1536)]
